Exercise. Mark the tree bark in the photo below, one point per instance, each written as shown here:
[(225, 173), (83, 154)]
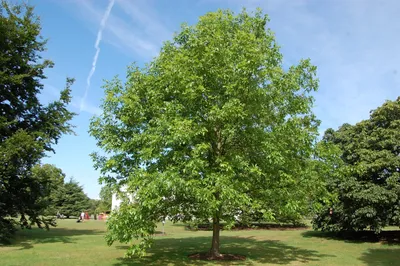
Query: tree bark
[(214, 251)]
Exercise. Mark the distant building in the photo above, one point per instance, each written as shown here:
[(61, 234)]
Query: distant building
[(116, 200)]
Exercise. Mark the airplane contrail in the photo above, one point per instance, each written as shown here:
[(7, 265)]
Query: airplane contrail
[(97, 47)]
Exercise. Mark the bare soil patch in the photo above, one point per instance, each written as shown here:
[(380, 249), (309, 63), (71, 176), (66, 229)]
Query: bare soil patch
[(223, 257)]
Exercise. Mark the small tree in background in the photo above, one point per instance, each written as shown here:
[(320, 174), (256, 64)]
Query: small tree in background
[(51, 179), (71, 200), (105, 199), (368, 194), (211, 127), (94, 207)]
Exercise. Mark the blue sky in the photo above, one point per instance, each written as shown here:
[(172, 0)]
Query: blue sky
[(354, 44)]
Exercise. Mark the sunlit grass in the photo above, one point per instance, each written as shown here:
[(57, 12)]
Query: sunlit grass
[(74, 243)]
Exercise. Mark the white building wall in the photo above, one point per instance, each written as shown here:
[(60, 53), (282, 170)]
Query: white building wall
[(116, 201)]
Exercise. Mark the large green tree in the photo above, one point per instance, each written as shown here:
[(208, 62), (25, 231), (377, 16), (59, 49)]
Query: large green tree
[(368, 193), (213, 126), (28, 129)]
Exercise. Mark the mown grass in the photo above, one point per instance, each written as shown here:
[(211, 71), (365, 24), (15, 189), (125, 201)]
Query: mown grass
[(74, 243)]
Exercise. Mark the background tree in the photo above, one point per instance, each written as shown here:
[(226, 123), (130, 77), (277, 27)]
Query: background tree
[(212, 126), (28, 129), (368, 196), (105, 199), (51, 179), (94, 206), (71, 200)]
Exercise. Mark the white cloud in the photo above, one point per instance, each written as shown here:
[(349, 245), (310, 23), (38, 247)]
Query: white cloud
[(132, 27), (97, 47), (51, 90), (353, 43), (140, 35), (141, 13), (54, 94), (86, 106), (91, 109)]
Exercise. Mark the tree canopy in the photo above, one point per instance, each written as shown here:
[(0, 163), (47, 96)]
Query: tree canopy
[(213, 126), (368, 195), (28, 129)]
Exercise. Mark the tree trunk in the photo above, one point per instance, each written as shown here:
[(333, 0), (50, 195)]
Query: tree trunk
[(214, 251)]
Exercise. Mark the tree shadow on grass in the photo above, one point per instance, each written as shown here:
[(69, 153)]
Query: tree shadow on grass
[(176, 250), (381, 257), (385, 237), (27, 238)]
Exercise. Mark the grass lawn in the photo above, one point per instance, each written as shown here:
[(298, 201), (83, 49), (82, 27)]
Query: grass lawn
[(74, 243)]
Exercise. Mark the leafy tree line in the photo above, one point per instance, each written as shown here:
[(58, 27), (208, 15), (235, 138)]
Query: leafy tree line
[(367, 192), (68, 198), (28, 129)]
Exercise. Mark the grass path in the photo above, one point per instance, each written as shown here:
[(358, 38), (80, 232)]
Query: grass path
[(83, 244)]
